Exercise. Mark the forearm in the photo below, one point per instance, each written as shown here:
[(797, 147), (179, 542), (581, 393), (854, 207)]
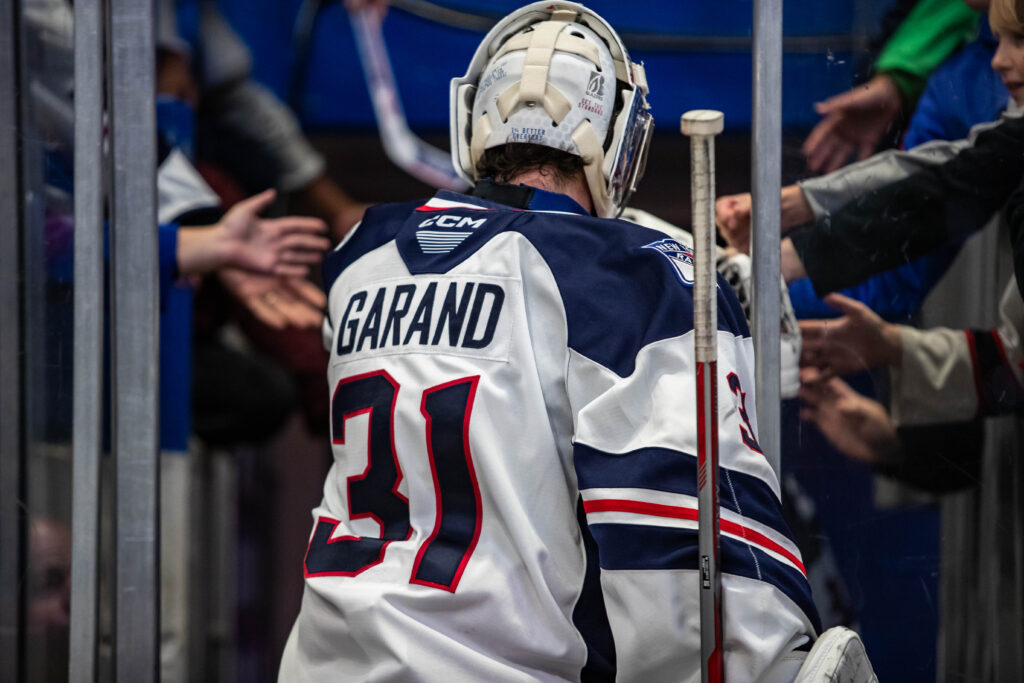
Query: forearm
[(202, 249), (887, 226), (831, 192), (791, 265), (796, 210)]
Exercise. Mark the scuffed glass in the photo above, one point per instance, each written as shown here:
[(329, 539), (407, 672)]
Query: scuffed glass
[(47, 118)]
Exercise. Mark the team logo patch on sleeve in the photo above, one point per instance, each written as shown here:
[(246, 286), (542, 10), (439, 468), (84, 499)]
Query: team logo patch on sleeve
[(679, 255)]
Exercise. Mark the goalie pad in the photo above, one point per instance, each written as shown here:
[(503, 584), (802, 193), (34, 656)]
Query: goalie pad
[(838, 656)]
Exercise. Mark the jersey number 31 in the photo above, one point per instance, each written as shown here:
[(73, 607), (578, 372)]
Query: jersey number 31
[(374, 493)]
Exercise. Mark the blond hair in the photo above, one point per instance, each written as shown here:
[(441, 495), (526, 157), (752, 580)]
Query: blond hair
[(1006, 16)]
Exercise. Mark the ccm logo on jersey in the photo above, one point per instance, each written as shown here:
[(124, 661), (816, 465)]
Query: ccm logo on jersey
[(445, 315), (449, 221)]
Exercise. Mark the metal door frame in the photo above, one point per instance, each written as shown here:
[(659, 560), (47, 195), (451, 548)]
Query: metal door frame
[(12, 519), (766, 182)]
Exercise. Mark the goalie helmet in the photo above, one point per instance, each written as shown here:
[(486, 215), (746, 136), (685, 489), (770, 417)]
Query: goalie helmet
[(556, 74)]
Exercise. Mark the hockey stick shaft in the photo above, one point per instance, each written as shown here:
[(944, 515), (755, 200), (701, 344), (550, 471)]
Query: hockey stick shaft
[(701, 126), (408, 151)]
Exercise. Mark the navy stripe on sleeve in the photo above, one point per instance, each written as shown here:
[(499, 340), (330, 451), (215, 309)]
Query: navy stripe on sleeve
[(590, 615), (663, 469), (632, 547)]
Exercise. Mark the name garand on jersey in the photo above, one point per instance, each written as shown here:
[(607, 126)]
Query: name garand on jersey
[(464, 315)]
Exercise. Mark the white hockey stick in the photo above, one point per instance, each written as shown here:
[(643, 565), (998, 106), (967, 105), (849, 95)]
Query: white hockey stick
[(412, 154), (702, 126)]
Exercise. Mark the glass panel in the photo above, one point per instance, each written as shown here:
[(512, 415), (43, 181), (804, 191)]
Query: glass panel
[(11, 511), (47, 79)]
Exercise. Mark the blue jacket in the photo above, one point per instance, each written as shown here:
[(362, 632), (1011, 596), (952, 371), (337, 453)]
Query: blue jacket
[(963, 92)]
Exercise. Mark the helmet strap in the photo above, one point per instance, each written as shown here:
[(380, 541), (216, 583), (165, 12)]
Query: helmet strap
[(482, 130), (533, 85), (593, 159)]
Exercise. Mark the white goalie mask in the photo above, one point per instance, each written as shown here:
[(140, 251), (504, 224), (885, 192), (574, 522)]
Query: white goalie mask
[(556, 74)]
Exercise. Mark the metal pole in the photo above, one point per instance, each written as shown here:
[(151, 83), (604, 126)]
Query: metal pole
[(766, 164), (88, 344), (135, 343), (12, 527), (702, 126)]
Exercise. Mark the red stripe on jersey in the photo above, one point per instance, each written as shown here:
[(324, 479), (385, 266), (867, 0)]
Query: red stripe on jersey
[(428, 207), (976, 367), (1005, 358), (677, 512)]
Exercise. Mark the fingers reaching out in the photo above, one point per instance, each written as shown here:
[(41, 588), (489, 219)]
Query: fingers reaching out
[(277, 301), (856, 425), (279, 246), (858, 340), (291, 304), (854, 121)]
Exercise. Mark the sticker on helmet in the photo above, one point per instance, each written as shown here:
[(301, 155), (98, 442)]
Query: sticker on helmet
[(587, 104), (496, 74), (535, 135), (679, 255)]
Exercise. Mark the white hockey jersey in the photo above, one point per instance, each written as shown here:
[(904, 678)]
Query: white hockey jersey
[(513, 496)]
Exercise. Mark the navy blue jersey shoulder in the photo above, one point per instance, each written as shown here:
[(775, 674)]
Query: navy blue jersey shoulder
[(437, 236), (620, 291), (379, 226)]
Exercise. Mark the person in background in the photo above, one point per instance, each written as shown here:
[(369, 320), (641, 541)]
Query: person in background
[(856, 122), (940, 375)]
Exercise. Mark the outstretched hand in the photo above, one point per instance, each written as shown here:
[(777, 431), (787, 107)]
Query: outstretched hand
[(854, 122), (276, 301), (732, 216), (278, 246), (857, 341), (857, 426)]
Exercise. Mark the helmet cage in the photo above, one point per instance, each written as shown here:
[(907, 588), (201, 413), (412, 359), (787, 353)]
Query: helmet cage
[(626, 166)]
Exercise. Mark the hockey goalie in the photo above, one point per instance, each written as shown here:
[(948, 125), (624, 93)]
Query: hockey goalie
[(513, 494)]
